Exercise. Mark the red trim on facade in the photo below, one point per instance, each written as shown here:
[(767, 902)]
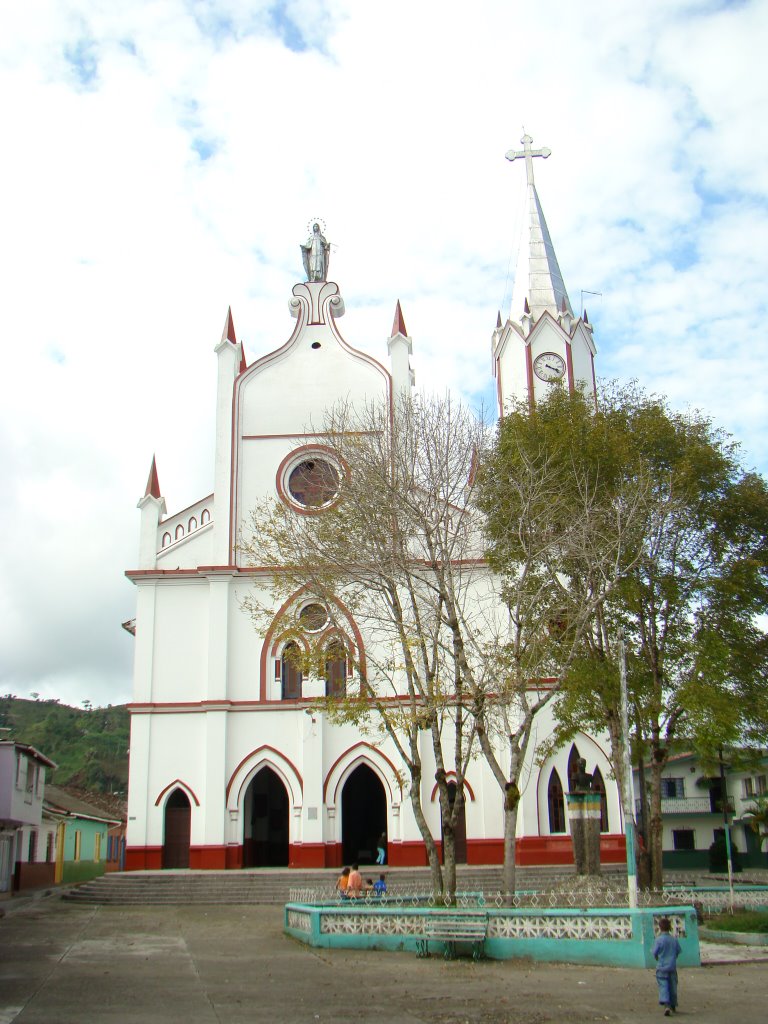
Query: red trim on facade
[(208, 858), (529, 375), (266, 646), (234, 857), (309, 855), (451, 776), (407, 855), (289, 458), (530, 850), (398, 325), (485, 851), (569, 364), (153, 485), (559, 849), (143, 858), (182, 785), (253, 753), (365, 746)]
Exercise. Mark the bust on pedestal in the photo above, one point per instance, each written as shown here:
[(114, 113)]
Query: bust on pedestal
[(584, 816)]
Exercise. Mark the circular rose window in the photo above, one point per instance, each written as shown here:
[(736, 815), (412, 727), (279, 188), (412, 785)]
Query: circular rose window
[(313, 617), (313, 482)]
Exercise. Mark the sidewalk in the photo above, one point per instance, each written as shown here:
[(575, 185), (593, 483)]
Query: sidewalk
[(62, 963)]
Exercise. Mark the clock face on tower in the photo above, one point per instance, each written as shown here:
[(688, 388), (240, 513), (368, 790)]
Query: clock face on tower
[(549, 366)]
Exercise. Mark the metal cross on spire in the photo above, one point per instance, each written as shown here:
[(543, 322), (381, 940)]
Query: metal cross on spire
[(528, 154)]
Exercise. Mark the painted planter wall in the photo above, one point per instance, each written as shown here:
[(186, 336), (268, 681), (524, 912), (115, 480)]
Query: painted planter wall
[(615, 938)]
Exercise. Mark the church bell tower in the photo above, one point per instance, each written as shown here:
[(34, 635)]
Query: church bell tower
[(542, 344)]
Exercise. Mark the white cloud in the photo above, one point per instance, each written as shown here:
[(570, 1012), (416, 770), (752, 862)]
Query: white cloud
[(163, 159)]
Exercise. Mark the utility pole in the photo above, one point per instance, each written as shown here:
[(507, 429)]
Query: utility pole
[(628, 789), (726, 825)]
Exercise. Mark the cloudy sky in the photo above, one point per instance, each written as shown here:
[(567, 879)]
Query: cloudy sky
[(162, 159)]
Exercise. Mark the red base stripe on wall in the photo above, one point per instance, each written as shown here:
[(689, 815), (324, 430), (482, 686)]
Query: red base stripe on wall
[(530, 851)]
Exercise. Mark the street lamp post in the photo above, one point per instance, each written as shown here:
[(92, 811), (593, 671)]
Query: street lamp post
[(628, 787)]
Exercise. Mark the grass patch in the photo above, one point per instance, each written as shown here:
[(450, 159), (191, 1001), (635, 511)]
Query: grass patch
[(741, 921)]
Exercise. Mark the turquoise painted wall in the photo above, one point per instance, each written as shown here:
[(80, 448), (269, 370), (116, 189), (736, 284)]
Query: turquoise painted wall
[(85, 867), (634, 950)]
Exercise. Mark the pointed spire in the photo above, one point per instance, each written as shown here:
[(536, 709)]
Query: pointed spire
[(153, 484), (585, 318), (526, 307), (228, 334), (398, 327), (498, 321), (243, 361), (537, 276)]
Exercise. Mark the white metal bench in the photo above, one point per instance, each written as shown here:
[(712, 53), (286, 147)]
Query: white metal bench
[(452, 928)]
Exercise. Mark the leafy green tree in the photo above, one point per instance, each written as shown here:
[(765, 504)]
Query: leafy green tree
[(689, 608), (564, 527)]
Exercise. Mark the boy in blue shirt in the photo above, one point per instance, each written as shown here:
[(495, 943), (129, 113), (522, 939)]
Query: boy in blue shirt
[(380, 886), (666, 950)]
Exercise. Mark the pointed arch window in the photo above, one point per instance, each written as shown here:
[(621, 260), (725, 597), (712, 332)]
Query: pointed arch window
[(598, 786), (555, 803), (335, 669), (573, 766), (291, 671)]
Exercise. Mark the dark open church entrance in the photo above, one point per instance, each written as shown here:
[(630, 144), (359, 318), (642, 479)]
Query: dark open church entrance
[(265, 822), (363, 816), (178, 823)]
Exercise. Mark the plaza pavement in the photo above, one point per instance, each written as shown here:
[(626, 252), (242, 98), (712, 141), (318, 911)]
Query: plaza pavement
[(64, 963)]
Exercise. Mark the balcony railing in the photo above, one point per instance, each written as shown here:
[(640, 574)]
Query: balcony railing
[(689, 805)]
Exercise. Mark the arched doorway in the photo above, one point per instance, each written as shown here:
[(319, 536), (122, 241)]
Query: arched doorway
[(460, 829), (176, 831), (265, 822), (363, 815)]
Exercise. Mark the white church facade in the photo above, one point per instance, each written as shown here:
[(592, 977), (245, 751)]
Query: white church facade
[(231, 765)]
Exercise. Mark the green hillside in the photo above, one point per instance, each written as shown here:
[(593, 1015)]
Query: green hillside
[(90, 746)]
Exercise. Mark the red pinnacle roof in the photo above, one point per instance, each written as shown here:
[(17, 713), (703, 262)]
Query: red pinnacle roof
[(229, 328), (243, 363), (498, 320), (153, 485), (398, 327)]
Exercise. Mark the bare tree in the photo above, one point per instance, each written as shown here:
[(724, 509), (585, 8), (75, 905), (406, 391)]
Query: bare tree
[(401, 546)]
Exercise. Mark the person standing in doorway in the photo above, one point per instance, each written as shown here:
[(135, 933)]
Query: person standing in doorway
[(666, 950), (381, 854)]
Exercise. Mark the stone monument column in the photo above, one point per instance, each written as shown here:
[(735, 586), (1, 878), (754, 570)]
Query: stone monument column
[(584, 818)]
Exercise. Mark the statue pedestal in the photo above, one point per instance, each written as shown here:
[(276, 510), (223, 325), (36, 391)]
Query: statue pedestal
[(584, 816)]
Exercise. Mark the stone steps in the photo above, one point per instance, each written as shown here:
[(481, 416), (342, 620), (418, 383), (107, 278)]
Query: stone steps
[(265, 886)]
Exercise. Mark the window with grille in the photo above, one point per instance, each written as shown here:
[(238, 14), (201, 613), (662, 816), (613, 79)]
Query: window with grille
[(672, 789), (291, 671), (683, 839), (335, 670)]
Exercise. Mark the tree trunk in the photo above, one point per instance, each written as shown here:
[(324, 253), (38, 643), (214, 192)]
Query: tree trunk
[(510, 830), (655, 824), (449, 864), (426, 835)]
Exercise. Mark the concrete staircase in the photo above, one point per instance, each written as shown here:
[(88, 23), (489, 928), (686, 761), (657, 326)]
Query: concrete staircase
[(273, 885)]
